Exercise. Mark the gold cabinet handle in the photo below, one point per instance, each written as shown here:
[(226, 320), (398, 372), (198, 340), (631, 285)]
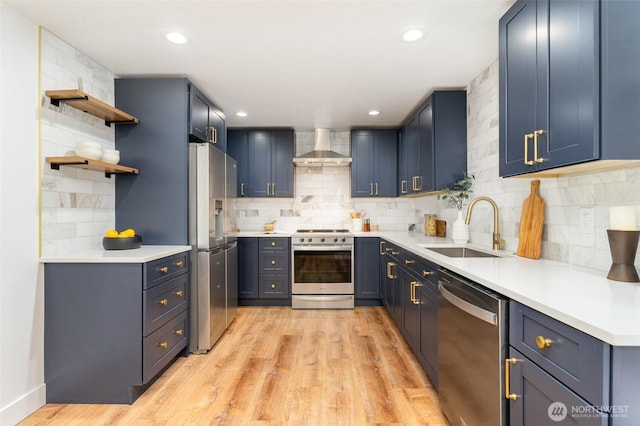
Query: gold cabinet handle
[(413, 296), (543, 342), (179, 332), (427, 273), (242, 189), (393, 252), (273, 262), (390, 274), (180, 264), (526, 149), (535, 146), (163, 345), (382, 247), (387, 250), (376, 185), (507, 391), (273, 243), (409, 261), (179, 293), (164, 269), (403, 187), (164, 302), (273, 285), (273, 189), (370, 188)]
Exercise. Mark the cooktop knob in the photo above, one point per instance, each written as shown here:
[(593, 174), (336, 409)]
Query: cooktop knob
[(335, 240), (302, 240), (322, 240), (310, 239), (344, 240)]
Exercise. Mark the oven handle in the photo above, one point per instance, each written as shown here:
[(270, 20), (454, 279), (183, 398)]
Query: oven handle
[(323, 298), (321, 248)]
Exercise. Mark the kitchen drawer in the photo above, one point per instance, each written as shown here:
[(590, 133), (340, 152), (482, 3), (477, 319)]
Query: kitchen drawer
[(393, 251), (273, 263), (163, 345), (164, 269), (280, 244), (273, 286), (163, 302), (426, 270), (576, 359)]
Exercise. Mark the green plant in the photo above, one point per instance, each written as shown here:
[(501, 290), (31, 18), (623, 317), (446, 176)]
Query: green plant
[(459, 191)]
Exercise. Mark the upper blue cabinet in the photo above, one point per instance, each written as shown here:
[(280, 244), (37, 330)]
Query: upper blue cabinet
[(206, 121), (550, 85), (374, 168)]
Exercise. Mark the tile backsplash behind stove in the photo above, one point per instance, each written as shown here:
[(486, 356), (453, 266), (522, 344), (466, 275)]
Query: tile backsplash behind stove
[(323, 198)]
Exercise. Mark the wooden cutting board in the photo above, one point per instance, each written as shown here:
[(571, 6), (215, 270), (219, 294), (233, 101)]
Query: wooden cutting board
[(531, 222)]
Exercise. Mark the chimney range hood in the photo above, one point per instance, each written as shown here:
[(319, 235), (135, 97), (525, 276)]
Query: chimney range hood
[(321, 154)]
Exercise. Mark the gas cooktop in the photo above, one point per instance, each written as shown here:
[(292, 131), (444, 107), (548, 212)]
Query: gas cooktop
[(323, 231)]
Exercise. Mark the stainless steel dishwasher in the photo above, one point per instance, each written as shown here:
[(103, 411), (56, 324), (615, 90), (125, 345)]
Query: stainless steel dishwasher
[(472, 346)]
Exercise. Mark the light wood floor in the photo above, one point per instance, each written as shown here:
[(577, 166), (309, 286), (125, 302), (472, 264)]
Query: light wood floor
[(278, 366)]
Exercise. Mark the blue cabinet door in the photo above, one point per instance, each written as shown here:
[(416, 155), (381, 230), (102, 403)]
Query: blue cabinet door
[(445, 155), (425, 156), (410, 313), (428, 347), (248, 268), (412, 153), (259, 162), (386, 163), (374, 170), (403, 171), (218, 124), (282, 152), (363, 163), (367, 268), (549, 85), (198, 115), (238, 149)]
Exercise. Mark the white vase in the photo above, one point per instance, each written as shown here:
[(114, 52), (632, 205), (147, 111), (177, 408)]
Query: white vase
[(460, 230)]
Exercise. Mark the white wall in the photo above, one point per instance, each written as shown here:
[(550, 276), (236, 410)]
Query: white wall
[(21, 289)]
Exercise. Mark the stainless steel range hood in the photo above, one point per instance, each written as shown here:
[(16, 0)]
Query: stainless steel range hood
[(322, 154)]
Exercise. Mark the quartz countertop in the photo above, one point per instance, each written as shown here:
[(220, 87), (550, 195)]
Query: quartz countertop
[(580, 297), (139, 255)]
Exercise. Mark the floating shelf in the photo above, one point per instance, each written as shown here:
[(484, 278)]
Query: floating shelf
[(88, 164), (80, 100)]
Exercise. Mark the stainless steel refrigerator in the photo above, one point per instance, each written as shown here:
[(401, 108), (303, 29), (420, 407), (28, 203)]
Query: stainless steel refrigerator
[(212, 226)]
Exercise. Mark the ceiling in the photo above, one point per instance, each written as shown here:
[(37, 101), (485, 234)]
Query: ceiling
[(303, 64)]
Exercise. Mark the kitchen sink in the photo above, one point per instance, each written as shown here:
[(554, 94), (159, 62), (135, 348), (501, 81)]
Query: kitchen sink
[(461, 252)]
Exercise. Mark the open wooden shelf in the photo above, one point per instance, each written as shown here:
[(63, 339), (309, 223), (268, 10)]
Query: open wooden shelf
[(80, 100), (88, 164)]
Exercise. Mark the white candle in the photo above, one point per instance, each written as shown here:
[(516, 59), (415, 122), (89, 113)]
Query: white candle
[(622, 218)]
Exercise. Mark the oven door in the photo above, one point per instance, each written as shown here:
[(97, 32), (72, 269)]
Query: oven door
[(322, 270)]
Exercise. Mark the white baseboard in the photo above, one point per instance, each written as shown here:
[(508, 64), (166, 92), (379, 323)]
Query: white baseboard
[(22, 407)]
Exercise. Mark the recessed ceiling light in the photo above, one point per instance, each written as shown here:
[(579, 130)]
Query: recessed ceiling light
[(176, 38), (414, 34), (241, 114), (374, 112)]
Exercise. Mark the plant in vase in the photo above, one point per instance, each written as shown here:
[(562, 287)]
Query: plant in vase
[(456, 195)]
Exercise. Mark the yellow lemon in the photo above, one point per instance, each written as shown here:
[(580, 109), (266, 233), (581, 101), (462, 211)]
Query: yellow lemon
[(111, 233), (129, 232)]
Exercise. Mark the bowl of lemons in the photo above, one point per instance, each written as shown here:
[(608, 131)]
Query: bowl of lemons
[(122, 240)]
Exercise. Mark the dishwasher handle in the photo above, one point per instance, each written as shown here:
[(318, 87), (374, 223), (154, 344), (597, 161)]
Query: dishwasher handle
[(470, 308)]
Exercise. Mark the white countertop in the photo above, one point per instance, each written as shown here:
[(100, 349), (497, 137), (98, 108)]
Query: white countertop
[(139, 255), (582, 298)]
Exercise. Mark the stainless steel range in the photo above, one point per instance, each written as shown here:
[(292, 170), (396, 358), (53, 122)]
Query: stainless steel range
[(322, 269)]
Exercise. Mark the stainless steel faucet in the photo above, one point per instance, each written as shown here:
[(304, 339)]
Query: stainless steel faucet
[(498, 243)]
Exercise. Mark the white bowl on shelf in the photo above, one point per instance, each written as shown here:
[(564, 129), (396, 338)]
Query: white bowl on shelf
[(88, 145), (110, 157), (91, 153)]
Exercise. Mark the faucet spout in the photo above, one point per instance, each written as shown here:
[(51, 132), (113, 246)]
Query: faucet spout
[(497, 241)]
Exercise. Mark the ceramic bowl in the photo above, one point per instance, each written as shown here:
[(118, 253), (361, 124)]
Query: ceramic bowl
[(91, 153), (89, 145), (110, 157), (122, 243)]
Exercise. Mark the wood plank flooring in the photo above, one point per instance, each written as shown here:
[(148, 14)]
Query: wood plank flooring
[(278, 366)]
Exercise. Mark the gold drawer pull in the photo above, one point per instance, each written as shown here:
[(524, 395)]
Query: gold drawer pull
[(180, 264), (427, 273), (393, 252), (163, 345), (507, 391), (179, 293), (164, 269), (179, 332), (273, 243), (409, 262), (273, 285), (273, 262), (164, 302), (543, 342)]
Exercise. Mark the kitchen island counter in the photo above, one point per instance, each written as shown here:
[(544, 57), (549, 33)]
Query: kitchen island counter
[(140, 255), (580, 297)]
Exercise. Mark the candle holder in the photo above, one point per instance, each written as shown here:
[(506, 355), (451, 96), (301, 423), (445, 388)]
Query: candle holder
[(623, 245)]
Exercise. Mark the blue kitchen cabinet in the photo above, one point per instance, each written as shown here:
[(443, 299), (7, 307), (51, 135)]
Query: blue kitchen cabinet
[(549, 85), (367, 270), (428, 306), (374, 168), (265, 160), (433, 149), (238, 149), (248, 268), (111, 328), (410, 324), (206, 121)]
